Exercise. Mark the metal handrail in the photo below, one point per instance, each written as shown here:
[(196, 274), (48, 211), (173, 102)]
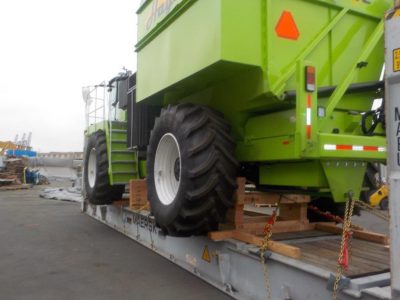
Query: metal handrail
[(95, 98)]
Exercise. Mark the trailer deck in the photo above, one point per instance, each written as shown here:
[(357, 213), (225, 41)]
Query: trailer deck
[(368, 258), (234, 267)]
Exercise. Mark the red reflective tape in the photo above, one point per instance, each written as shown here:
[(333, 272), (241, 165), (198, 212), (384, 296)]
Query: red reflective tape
[(332, 147), (344, 147), (309, 131), (309, 99), (370, 148)]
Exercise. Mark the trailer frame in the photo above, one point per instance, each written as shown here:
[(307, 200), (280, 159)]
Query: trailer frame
[(234, 267)]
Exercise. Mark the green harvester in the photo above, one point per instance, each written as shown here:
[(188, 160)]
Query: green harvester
[(280, 92)]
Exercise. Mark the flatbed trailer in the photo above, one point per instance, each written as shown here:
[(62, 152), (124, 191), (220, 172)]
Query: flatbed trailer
[(234, 267), (231, 262)]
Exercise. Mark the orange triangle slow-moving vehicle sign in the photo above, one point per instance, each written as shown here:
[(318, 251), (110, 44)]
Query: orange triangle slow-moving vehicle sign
[(286, 27)]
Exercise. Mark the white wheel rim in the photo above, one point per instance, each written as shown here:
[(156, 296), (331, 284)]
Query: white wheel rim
[(92, 168), (166, 175)]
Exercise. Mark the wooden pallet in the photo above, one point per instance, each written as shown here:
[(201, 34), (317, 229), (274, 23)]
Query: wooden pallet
[(292, 211), (15, 187), (138, 195), (249, 227)]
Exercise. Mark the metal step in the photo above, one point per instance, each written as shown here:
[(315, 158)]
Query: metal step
[(119, 141), (123, 151), (123, 165), (119, 122), (124, 173), (119, 131), (119, 126), (116, 162)]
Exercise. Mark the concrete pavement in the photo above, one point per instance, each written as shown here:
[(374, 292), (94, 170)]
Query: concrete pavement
[(49, 250)]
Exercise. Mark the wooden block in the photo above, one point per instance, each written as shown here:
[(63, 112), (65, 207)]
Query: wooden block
[(140, 207), (293, 211), (371, 236), (245, 237), (256, 219), (240, 191), (292, 226), (121, 203), (279, 227), (277, 247), (256, 198), (220, 235), (234, 215), (137, 192), (360, 234), (15, 187)]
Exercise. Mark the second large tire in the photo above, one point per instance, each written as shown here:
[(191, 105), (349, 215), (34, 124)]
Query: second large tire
[(95, 176), (191, 169)]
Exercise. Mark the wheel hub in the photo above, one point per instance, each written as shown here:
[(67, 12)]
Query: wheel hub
[(167, 169)]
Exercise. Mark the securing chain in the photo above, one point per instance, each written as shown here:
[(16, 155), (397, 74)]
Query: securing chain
[(343, 259), (267, 237), (372, 210), (326, 214), (331, 217)]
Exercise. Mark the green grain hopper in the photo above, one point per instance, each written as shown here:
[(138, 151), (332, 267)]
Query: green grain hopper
[(279, 91)]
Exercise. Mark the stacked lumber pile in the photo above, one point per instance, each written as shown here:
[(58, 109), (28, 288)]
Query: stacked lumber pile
[(13, 173)]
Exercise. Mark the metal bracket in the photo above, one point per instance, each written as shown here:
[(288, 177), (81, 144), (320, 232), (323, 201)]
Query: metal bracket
[(344, 282)]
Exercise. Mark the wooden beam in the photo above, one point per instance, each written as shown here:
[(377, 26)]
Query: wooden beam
[(240, 191), (279, 227), (360, 234), (234, 215), (137, 193), (293, 212), (15, 187), (277, 247), (121, 203), (220, 235), (256, 198)]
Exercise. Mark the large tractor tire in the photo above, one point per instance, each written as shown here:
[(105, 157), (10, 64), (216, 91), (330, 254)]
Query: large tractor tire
[(191, 169), (95, 176)]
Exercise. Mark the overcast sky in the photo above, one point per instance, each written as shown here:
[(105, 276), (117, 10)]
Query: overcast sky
[(50, 49)]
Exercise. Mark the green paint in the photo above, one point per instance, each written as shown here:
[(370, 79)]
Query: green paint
[(302, 174), (344, 177), (122, 163), (226, 54)]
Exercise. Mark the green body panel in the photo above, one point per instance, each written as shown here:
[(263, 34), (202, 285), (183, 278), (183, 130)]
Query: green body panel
[(344, 177), (122, 162), (195, 35), (228, 54), (301, 174)]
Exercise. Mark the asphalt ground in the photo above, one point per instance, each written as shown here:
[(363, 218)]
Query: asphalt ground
[(50, 250)]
